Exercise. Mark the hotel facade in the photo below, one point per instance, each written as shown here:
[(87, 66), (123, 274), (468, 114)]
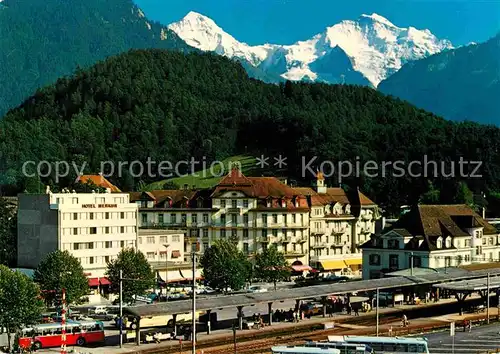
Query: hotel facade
[(93, 227)]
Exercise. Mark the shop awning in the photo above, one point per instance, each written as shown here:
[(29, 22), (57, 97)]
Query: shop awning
[(104, 281), (354, 261), (333, 264), (93, 282), (176, 254), (301, 268)]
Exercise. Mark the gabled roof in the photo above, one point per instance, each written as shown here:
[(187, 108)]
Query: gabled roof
[(427, 223), (99, 181), (177, 198)]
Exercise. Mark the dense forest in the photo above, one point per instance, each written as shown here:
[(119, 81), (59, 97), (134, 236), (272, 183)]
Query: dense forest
[(458, 84), (169, 106), (42, 40)]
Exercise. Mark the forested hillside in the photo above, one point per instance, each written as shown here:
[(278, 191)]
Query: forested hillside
[(459, 84), (42, 40), (170, 106)]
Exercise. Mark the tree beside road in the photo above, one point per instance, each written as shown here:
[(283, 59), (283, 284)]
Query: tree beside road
[(225, 267), (20, 301), (137, 272), (271, 266), (61, 270)]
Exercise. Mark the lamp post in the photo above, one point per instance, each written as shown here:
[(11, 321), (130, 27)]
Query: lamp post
[(166, 270)]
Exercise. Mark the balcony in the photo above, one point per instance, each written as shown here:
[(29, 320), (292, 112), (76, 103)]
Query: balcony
[(320, 245), (155, 225), (262, 239), (294, 254), (287, 239), (234, 210), (301, 239)]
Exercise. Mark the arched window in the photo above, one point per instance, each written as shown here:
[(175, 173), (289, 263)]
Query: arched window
[(448, 242), (439, 243)]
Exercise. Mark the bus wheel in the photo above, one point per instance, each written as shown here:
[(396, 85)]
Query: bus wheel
[(80, 341), (37, 345)]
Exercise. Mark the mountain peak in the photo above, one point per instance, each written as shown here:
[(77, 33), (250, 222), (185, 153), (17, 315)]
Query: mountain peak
[(377, 18)]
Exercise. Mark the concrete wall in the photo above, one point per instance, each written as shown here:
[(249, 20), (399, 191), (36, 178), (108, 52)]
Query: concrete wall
[(37, 227)]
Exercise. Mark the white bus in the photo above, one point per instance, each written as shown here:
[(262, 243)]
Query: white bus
[(344, 347), (303, 350), (386, 345)]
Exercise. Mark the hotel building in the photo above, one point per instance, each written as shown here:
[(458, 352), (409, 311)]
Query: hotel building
[(93, 227)]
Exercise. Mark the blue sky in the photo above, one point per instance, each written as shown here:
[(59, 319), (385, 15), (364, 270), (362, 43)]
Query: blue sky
[(286, 21)]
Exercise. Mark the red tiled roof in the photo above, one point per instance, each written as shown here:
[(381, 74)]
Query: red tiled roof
[(99, 181)]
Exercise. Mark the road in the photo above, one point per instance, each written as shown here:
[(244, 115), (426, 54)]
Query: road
[(481, 339)]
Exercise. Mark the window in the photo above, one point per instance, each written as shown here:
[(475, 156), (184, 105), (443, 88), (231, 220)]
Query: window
[(176, 238), (274, 232), (394, 261), (90, 245), (160, 219), (205, 218), (264, 233), (222, 233), (222, 203), (122, 215), (76, 246), (122, 229), (91, 260), (484, 241), (91, 216), (478, 250), (183, 218), (294, 218), (75, 231), (245, 219), (93, 230), (490, 241), (150, 240), (234, 203), (173, 218), (417, 261), (439, 243), (374, 259), (150, 255), (234, 219), (234, 233), (448, 242), (122, 244), (275, 218), (223, 219), (467, 243), (205, 233), (194, 218), (106, 259), (245, 248), (447, 261), (264, 219), (108, 244), (106, 230), (163, 239), (393, 244), (140, 240), (284, 218), (144, 218), (75, 216), (245, 203), (245, 233), (106, 215)]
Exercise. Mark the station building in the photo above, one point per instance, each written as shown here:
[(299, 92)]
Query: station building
[(431, 236)]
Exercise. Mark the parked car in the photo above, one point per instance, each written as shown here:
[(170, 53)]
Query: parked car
[(256, 289), (98, 310)]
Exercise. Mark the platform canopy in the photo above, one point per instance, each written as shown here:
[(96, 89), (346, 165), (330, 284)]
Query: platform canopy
[(218, 302), (471, 285)]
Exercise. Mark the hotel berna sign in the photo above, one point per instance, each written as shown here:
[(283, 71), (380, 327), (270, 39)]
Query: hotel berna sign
[(99, 205)]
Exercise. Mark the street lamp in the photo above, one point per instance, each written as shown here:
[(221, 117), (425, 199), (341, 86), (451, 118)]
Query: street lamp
[(166, 269)]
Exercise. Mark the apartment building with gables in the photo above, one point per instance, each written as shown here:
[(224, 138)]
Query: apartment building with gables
[(339, 223), (255, 212), (431, 236)]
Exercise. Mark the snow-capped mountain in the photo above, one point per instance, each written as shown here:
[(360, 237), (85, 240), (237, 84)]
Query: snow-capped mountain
[(371, 46)]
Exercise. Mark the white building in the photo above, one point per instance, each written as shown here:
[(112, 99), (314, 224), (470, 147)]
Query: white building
[(340, 223), (93, 227), (252, 211), (431, 236)]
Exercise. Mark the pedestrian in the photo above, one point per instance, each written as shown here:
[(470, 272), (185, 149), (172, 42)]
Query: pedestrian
[(356, 311), (470, 326), (405, 320)]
